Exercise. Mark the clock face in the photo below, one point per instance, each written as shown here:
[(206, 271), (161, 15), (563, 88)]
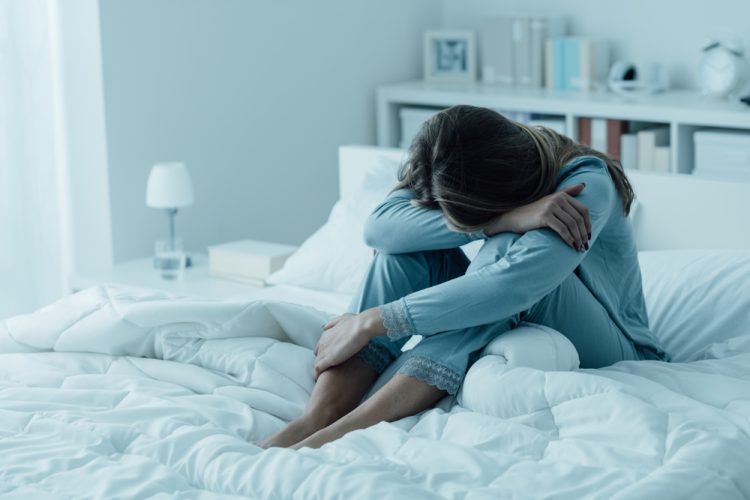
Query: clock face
[(719, 71)]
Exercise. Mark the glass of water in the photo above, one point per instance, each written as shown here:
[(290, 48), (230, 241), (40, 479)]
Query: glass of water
[(170, 258)]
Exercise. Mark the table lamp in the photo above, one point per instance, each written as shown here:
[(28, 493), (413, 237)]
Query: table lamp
[(169, 188)]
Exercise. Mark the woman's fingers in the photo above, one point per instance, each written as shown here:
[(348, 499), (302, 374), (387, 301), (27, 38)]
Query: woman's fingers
[(579, 230), (332, 323), (581, 209), (561, 228), (570, 225), (321, 365), (574, 190)]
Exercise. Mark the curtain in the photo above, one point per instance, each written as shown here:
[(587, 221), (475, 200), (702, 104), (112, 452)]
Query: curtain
[(34, 241)]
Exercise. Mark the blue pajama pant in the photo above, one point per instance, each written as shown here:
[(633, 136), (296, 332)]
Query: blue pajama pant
[(443, 359)]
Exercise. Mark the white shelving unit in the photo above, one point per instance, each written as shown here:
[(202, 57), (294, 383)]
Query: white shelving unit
[(684, 111)]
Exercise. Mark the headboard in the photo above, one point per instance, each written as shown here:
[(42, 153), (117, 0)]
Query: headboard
[(674, 210)]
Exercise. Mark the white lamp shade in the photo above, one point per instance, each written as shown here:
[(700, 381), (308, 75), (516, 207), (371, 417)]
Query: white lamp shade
[(169, 186)]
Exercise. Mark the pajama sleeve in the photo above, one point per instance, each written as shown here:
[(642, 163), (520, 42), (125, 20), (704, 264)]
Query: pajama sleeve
[(397, 226), (535, 264)]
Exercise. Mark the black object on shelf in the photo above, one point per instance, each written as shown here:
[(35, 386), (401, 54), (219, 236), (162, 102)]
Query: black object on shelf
[(745, 99)]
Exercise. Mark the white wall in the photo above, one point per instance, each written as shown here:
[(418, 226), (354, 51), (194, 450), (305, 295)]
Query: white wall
[(255, 96), (643, 31)]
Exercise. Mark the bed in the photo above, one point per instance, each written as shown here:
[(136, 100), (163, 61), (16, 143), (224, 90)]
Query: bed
[(115, 393)]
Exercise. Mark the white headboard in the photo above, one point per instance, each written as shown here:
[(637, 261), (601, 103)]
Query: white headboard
[(675, 211)]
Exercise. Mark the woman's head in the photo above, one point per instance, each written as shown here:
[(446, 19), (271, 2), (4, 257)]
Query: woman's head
[(475, 164)]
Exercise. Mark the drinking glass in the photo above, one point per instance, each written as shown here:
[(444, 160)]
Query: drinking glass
[(170, 258)]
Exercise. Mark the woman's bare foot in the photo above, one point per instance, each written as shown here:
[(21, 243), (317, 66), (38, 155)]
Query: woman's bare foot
[(337, 391), (400, 397), (294, 432)]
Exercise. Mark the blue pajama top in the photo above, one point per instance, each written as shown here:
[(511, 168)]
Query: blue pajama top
[(537, 263)]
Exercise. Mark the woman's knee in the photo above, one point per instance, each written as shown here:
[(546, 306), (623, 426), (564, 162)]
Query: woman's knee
[(421, 269)]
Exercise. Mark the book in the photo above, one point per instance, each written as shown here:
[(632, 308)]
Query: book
[(521, 39), (629, 150), (648, 139), (496, 51), (662, 159), (549, 63), (593, 64), (540, 29), (575, 63), (247, 260), (571, 63), (558, 68), (584, 131), (615, 129), (599, 134)]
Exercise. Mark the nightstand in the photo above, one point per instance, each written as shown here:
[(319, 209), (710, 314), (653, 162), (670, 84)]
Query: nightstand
[(196, 280)]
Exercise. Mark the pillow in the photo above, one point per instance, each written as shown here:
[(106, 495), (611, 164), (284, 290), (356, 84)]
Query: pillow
[(696, 297), (335, 257)]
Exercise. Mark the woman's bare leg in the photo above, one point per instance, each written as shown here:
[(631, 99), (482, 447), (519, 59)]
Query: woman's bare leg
[(402, 396), (337, 391)]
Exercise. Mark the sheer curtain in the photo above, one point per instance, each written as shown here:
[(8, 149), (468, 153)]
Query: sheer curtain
[(34, 234)]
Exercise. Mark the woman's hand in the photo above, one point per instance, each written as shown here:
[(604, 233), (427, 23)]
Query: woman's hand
[(559, 211), (345, 336)]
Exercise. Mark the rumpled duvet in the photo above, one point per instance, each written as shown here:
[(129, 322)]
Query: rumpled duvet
[(121, 394)]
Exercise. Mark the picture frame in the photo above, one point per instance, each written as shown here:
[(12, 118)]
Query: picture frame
[(450, 56)]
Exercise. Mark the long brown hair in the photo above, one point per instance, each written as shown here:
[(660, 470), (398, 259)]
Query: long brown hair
[(475, 164)]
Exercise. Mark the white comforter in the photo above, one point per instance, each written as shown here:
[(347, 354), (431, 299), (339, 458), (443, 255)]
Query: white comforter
[(109, 394)]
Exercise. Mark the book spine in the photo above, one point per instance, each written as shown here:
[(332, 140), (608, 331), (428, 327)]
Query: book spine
[(599, 134), (549, 64), (488, 41), (662, 158), (505, 69), (615, 129), (584, 131), (559, 63), (647, 142), (600, 63), (586, 61), (629, 151), (645, 149), (572, 61), (538, 33), (497, 51), (522, 52)]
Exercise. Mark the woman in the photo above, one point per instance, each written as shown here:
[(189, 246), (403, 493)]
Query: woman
[(559, 251)]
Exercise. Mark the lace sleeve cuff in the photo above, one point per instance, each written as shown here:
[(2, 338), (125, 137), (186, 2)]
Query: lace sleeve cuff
[(396, 320)]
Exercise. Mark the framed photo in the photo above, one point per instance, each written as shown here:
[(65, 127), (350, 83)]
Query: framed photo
[(450, 56)]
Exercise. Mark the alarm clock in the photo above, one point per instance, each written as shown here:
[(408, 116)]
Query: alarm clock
[(723, 68)]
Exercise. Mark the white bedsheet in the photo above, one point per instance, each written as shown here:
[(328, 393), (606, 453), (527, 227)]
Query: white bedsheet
[(109, 394)]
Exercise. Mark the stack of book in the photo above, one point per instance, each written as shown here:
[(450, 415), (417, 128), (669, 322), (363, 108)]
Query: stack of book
[(637, 146), (247, 261), (512, 49), (575, 63), (722, 154), (603, 135)]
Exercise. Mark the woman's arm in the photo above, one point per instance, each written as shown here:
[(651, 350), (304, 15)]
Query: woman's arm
[(534, 266), (397, 226)]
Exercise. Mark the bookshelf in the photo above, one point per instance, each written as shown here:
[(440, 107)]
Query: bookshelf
[(683, 111)]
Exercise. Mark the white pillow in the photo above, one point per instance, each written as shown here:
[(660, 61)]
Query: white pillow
[(696, 297), (335, 257)]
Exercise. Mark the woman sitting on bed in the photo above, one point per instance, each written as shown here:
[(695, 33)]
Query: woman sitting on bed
[(558, 251)]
